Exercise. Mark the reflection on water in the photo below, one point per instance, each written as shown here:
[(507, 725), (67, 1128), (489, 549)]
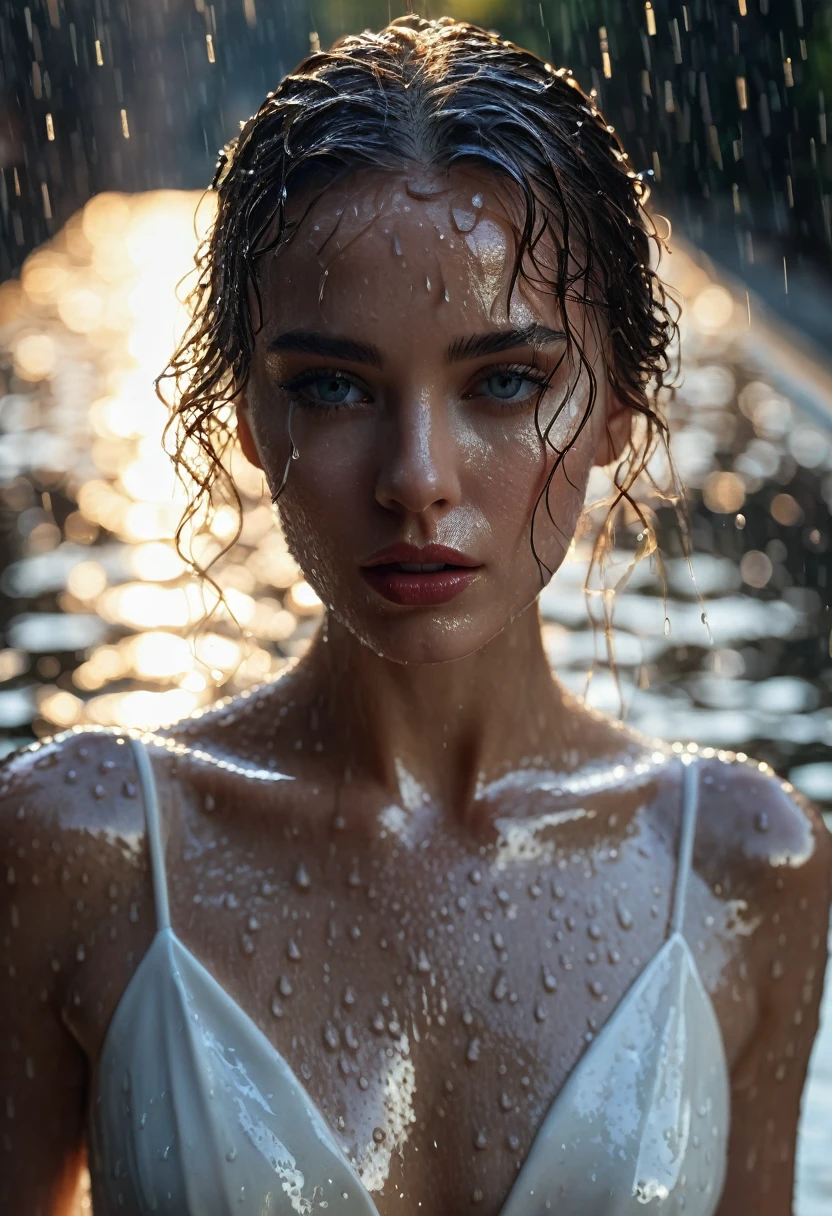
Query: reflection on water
[(97, 606)]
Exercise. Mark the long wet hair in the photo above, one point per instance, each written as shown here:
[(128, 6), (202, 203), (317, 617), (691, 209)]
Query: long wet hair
[(435, 94)]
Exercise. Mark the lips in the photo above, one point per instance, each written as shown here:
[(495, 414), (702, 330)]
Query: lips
[(405, 574)]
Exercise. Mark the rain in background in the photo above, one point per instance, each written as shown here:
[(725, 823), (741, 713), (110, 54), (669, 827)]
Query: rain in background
[(111, 115)]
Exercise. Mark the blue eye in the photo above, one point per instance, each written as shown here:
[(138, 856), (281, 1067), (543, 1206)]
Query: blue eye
[(504, 384), (333, 388)]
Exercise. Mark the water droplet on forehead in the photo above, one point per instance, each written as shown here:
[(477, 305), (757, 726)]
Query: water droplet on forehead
[(464, 219)]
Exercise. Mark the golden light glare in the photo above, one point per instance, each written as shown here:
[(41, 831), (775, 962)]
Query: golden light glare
[(713, 308), (303, 598), (723, 493), (86, 580), (34, 357)]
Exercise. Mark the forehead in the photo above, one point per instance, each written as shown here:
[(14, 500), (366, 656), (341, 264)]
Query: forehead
[(377, 244)]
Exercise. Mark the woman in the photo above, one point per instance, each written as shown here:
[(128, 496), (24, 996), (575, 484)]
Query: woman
[(411, 929)]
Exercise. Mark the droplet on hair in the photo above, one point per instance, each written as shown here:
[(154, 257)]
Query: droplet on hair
[(667, 626)]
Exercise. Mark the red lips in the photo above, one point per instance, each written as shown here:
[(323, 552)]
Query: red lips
[(419, 588)]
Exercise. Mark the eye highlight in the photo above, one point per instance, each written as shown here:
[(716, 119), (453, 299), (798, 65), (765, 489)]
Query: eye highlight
[(505, 381), (515, 374), (333, 379)]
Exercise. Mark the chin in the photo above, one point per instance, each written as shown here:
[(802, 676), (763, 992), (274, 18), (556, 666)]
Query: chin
[(422, 636), (426, 636)]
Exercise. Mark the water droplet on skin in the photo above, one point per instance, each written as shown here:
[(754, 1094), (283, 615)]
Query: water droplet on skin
[(397, 249), (231, 1154), (354, 878), (570, 922), (293, 951), (476, 200), (423, 962), (481, 1139), (761, 821), (613, 956), (285, 986), (623, 915), (379, 1135), (331, 1038), (349, 995), (594, 932), (253, 924), (596, 988), (499, 989), (464, 220), (427, 282), (549, 981), (302, 880), (71, 776), (472, 1053), (247, 944), (777, 969), (475, 877), (378, 1024), (540, 1012), (80, 954), (498, 940), (99, 791), (350, 1037)]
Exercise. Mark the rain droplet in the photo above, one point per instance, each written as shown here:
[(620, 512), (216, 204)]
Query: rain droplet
[(464, 219), (500, 987)]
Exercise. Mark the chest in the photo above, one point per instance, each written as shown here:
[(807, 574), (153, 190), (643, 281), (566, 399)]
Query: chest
[(432, 1000)]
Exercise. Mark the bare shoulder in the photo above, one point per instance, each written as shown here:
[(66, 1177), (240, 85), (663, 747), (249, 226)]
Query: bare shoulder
[(763, 842), (72, 827)]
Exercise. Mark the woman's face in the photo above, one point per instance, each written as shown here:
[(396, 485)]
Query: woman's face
[(412, 391)]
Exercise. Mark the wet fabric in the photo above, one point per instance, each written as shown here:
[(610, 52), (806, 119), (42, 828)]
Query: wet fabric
[(194, 1113)]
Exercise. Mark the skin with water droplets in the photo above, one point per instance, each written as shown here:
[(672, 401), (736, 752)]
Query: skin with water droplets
[(441, 964)]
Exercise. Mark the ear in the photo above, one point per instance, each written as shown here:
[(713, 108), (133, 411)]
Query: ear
[(616, 431), (245, 436)]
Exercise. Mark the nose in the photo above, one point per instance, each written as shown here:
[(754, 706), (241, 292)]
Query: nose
[(419, 462)]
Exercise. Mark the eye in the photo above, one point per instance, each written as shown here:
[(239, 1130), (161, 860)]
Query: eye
[(509, 384), (333, 386)]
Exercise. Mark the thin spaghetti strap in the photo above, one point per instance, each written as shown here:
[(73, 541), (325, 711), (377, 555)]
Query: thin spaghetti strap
[(147, 784), (689, 807)]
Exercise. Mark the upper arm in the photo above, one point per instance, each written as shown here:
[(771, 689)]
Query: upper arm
[(786, 963), (55, 874)]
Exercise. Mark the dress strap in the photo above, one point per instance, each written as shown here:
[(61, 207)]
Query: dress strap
[(147, 785), (690, 801)]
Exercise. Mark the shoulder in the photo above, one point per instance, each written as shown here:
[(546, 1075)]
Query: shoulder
[(70, 815), (761, 842)]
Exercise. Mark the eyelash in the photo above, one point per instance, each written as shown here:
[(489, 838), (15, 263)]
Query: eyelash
[(294, 386)]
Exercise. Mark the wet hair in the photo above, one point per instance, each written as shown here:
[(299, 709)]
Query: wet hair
[(434, 94)]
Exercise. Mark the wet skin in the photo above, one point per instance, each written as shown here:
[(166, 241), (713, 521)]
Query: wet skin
[(424, 976)]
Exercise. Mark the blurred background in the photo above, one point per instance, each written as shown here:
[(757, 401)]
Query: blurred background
[(111, 116)]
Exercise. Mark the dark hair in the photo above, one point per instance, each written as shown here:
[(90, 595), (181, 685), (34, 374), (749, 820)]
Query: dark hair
[(436, 93)]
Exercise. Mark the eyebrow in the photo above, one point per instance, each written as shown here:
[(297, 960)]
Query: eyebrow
[(334, 346)]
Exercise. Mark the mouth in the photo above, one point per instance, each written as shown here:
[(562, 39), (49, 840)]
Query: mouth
[(399, 578)]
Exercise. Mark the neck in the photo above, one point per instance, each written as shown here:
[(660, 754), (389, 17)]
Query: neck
[(449, 727)]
